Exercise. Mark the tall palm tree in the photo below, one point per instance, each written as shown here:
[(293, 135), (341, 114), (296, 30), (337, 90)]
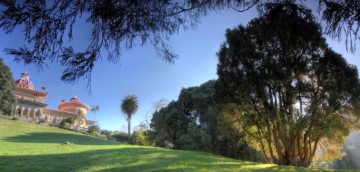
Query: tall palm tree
[(95, 109), (129, 106)]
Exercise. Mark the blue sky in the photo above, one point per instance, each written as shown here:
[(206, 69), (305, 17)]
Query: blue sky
[(140, 71)]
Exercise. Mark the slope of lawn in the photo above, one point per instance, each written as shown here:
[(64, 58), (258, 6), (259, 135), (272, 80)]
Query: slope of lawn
[(34, 147)]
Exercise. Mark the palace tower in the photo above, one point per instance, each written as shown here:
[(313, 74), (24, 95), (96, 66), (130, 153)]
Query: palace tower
[(31, 106)]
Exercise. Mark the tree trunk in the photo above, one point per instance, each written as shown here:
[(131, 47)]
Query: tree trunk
[(129, 136)]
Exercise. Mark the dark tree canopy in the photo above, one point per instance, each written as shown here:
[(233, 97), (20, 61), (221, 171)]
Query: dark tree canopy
[(115, 25), (294, 94), (342, 17), (194, 122), (7, 88)]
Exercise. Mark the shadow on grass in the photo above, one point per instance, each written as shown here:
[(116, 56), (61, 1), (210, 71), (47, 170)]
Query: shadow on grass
[(126, 159), (130, 159), (53, 137)]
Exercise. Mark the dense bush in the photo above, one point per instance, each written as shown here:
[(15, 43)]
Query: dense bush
[(41, 121), (67, 123), (120, 136)]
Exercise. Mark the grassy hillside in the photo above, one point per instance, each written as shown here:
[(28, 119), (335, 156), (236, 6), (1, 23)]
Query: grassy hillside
[(32, 147)]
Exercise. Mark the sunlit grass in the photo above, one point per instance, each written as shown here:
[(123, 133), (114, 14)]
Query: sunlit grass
[(33, 147)]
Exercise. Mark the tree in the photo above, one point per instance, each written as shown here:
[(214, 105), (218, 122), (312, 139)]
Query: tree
[(107, 134), (68, 121), (48, 26), (95, 109), (114, 25), (160, 104), (140, 136), (195, 122), (94, 130), (342, 17), (129, 106), (352, 150), (7, 88), (169, 124), (120, 136), (294, 93), (79, 119)]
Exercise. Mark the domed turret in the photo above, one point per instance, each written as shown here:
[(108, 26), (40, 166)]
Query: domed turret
[(24, 81), (74, 106), (75, 99)]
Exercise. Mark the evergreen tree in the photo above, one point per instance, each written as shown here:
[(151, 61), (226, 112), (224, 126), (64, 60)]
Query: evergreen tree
[(294, 93), (7, 88)]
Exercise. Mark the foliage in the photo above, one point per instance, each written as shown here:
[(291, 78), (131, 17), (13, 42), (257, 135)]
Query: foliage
[(95, 130), (352, 150), (7, 88), (143, 135), (194, 122), (15, 118), (71, 120), (62, 123), (107, 134), (116, 25), (79, 119), (129, 106), (68, 122), (41, 121), (30, 147), (342, 18), (120, 136), (138, 138), (294, 93)]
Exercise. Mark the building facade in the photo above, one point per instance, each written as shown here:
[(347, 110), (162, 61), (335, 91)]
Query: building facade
[(31, 106)]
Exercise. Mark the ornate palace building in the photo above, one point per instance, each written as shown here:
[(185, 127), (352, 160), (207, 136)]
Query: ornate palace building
[(31, 106)]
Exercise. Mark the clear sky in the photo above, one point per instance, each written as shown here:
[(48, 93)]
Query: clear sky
[(140, 71)]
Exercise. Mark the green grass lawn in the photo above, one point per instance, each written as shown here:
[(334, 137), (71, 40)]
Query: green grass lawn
[(33, 147)]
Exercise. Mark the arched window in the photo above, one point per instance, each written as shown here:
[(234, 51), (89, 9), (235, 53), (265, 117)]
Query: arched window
[(32, 113), (46, 117), (38, 113), (26, 112)]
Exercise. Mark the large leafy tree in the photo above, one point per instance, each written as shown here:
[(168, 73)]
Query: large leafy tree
[(116, 25), (293, 92), (195, 122), (129, 106), (7, 88)]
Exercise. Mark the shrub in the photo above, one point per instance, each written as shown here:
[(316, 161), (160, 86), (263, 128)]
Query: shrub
[(15, 118), (120, 136), (41, 121), (62, 123)]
